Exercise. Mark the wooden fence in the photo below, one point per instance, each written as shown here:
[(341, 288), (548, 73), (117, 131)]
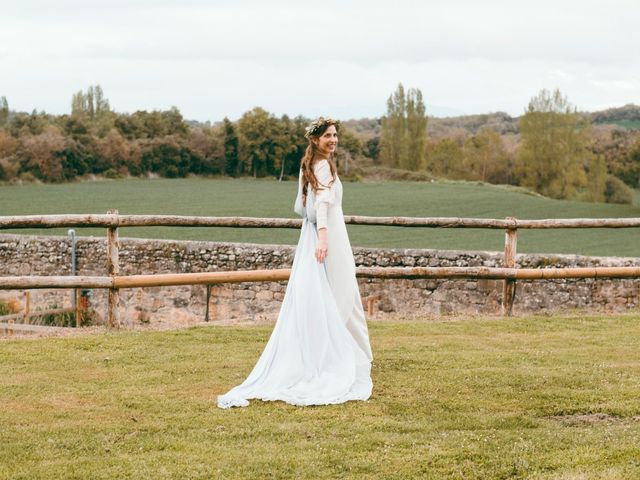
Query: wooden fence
[(114, 281), (8, 325)]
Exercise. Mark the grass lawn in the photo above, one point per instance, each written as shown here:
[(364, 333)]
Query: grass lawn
[(268, 198), (547, 397)]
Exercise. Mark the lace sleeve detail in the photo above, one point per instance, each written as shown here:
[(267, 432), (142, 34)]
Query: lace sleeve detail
[(325, 196)]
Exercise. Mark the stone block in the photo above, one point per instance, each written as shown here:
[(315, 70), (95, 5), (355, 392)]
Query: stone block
[(265, 295)]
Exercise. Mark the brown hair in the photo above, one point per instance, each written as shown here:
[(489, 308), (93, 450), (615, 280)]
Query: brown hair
[(306, 164)]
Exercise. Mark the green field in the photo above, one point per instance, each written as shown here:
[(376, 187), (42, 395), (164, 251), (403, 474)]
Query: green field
[(267, 198), (480, 398), (627, 124)]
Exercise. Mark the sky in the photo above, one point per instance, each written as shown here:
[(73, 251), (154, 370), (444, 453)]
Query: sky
[(343, 59)]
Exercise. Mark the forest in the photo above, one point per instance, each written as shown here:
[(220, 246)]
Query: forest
[(552, 148)]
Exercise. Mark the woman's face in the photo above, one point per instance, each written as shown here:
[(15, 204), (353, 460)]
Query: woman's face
[(328, 141)]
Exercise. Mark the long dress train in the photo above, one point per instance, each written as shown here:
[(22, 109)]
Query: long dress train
[(319, 351)]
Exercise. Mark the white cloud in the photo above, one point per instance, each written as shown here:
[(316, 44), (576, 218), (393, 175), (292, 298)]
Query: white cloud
[(212, 59)]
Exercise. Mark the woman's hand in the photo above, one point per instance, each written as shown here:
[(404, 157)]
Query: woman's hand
[(322, 246)]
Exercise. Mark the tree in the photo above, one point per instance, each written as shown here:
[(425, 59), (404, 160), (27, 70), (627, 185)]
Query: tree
[(284, 144), (627, 167), (29, 124), (416, 135), (256, 132), (445, 158), (167, 156), (634, 160), (91, 108), (597, 179), (392, 135), (230, 141), (143, 124), (554, 147), (41, 155), (617, 191), (205, 145), (101, 104), (78, 107), (404, 130), (8, 144), (4, 112), (372, 149), (8, 157), (485, 157), (92, 104), (113, 151), (298, 139)]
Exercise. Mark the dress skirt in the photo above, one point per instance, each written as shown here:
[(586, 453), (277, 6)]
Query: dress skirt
[(312, 356)]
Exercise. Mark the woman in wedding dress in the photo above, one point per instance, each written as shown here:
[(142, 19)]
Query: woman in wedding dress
[(319, 351)]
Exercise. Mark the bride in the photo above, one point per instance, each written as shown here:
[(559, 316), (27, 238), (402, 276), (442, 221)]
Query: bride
[(318, 352)]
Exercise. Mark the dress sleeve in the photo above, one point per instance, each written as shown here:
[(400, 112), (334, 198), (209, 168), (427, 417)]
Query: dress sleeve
[(325, 195), (298, 207)]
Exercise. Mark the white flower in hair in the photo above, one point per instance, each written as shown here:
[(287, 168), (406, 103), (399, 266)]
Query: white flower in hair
[(316, 125)]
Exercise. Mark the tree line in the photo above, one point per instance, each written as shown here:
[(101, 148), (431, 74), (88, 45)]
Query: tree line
[(94, 139), (555, 150)]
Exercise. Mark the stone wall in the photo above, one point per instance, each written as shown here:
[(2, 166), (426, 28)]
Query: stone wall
[(41, 255)]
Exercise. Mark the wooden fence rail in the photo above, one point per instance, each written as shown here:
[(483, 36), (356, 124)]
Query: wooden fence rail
[(112, 221), (7, 322), (11, 327), (280, 274)]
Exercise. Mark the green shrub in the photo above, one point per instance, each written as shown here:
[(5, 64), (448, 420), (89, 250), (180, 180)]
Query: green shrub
[(4, 308), (55, 319), (616, 191), (67, 319), (112, 173), (28, 177)]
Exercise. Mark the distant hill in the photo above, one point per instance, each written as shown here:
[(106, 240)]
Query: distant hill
[(627, 117), (501, 122), (365, 127)]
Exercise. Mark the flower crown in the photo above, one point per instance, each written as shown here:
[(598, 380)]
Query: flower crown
[(316, 125)]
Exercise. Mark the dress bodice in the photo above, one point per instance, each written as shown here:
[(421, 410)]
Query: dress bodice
[(331, 196)]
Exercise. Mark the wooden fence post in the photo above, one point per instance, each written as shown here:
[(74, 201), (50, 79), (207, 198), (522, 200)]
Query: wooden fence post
[(78, 307), (206, 311), (113, 268), (509, 284), (27, 306)]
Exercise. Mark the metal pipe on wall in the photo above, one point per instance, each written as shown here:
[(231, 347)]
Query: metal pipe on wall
[(72, 237)]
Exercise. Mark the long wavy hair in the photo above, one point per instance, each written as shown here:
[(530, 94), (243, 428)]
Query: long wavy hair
[(306, 164)]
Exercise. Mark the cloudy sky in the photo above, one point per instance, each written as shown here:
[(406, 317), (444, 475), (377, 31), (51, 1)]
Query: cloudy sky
[(213, 59)]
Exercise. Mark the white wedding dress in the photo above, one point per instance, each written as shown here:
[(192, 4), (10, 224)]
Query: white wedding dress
[(319, 351)]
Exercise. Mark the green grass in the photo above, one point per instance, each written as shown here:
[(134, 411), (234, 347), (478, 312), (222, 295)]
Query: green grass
[(480, 398), (266, 198)]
